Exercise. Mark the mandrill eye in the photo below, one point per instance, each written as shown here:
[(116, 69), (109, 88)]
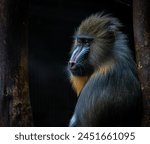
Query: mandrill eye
[(84, 41), (87, 44), (79, 42)]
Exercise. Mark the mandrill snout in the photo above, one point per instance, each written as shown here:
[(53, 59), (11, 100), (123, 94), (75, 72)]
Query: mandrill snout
[(78, 60), (71, 65)]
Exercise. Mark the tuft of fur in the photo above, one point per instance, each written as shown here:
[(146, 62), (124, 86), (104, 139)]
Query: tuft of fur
[(78, 83), (98, 25)]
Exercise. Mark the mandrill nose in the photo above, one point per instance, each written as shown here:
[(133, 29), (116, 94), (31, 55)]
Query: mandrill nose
[(72, 65)]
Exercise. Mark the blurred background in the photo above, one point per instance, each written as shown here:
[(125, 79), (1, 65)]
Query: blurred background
[(51, 26)]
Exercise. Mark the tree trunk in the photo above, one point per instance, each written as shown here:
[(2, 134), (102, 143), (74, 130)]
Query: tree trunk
[(141, 23), (15, 109)]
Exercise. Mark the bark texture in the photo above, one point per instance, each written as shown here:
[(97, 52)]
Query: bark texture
[(15, 109), (141, 24)]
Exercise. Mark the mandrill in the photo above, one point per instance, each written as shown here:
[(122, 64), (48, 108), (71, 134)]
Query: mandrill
[(103, 74)]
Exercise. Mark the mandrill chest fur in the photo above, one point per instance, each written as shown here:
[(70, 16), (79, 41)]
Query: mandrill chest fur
[(78, 83), (104, 76)]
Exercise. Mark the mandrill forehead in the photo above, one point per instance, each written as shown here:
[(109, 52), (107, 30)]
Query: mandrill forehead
[(98, 25)]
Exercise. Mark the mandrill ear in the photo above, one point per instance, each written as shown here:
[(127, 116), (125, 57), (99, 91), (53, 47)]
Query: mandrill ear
[(114, 25)]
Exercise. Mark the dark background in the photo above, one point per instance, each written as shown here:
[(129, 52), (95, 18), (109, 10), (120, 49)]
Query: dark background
[(51, 26)]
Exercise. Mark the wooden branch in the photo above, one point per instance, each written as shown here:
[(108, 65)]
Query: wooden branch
[(141, 23), (15, 109)]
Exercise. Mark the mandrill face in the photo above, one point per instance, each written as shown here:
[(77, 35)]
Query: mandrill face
[(93, 44), (79, 61)]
